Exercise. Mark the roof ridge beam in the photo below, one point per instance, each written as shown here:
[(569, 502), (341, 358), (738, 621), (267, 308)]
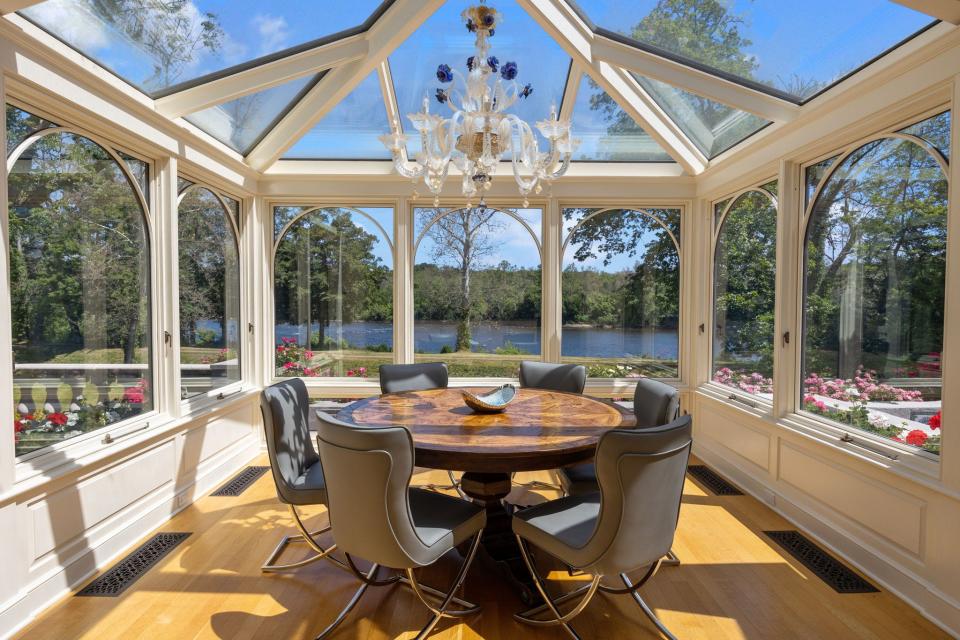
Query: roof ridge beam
[(264, 76), (399, 21), (576, 37)]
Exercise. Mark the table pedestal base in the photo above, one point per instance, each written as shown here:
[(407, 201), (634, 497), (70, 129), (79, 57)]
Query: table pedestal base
[(498, 541)]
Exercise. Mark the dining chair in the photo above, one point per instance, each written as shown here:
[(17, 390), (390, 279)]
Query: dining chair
[(422, 376), (295, 466), (376, 515), (395, 378), (625, 526), (568, 378)]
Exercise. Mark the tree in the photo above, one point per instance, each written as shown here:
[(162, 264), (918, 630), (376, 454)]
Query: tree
[(172, 32), (462, 237)]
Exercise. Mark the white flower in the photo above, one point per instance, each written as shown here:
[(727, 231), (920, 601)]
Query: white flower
[(48, 408), (853, 392), (22, 409), (74, 406)]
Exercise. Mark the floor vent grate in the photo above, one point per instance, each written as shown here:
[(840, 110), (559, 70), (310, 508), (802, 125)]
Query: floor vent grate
[(713, 481), (127, 571), (241, 482), (840, 577)]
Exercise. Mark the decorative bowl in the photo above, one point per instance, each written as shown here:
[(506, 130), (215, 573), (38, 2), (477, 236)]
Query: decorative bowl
[(493, 401)]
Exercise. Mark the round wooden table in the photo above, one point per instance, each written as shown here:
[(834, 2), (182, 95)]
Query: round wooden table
[(539, 430)]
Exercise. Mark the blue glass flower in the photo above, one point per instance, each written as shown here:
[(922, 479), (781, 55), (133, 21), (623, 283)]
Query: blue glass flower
[(493, 63), (488, 20), (442, 96), (471, 26), (444, 74), (526, 91), (470, 63), (490, 33), (509, 70)]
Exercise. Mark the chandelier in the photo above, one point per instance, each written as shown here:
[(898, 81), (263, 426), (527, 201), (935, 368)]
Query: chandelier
[(479, 131)]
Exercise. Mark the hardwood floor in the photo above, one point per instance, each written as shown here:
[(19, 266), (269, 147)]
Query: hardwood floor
[(733, 583)]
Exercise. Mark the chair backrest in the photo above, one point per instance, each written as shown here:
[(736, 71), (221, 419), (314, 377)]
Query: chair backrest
[(641, 474), (555, 377), (368, 471), (286, 425), (395, 378), (655, 403)]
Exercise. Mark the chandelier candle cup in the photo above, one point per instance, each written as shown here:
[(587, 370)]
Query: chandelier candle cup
[(480, 130)]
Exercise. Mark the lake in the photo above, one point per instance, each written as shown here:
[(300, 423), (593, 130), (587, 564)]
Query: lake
[(431, 337)]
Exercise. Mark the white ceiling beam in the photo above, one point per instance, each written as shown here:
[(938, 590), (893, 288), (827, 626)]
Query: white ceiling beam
[(263, 76), (390, 101), (577, 39), (9, 6), (401, 19), (574, 78), (694, 80), (946, 10)]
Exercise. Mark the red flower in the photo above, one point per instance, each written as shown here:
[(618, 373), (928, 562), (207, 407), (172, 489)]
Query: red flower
[(935, 420), (133, 395), (17, 426), (916, 438), (58, 419)]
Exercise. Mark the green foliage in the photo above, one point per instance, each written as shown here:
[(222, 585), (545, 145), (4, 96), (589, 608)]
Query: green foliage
[(510, 349)]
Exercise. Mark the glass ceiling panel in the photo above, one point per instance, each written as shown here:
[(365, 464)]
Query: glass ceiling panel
[(444, 39), (156, 44), (349, 131), (241, 123), (713, 127), (607, 133), (797, 47)]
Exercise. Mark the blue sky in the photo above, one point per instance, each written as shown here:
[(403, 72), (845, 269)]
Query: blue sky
[(509, 241), (819, 39)]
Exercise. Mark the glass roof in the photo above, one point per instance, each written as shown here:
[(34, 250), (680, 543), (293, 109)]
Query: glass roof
[(607, 133), (713, 127), (442, 39), (157, 44), (349, 131), (795, 47), (241, 123)]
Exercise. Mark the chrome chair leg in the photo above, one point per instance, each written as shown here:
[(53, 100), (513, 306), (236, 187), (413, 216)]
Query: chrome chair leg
[(370, 576), (454, 484), (670, 560), (442, 612), (537, 484), (558, 619), (647, 610), (307, 537)]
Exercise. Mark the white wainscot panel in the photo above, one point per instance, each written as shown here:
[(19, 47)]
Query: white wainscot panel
[(69, 512), (890, 513), (219, 433), (715, 423)]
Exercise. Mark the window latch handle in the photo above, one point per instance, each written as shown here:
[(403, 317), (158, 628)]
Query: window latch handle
[(786, 337), (702, 327), (167, 338)]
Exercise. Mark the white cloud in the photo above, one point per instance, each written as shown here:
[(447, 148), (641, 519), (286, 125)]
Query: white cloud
[(80, 28), (272, 32)]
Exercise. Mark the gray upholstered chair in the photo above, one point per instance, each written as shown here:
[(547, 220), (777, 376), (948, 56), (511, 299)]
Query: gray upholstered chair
[(625, 526), (395, 378), (295, 465), (654, 404), (377, 516), (570, 378)]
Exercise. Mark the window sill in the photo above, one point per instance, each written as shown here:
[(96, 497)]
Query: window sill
[(76, 459)]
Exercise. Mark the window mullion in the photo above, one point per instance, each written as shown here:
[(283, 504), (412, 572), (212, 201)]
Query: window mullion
[(166, 296), (786, 363), (552, 310), (7, 449)]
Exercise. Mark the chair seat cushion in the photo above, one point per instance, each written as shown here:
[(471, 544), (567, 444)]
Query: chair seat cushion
[(560, 527), (443, 519), (578, 479), (310, 487)]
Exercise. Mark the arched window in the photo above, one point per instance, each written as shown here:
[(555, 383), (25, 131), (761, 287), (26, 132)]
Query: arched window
[(873, 305), (80, 289), (744, 280), (333, 291), (621, 291), (209, 291), (477, 281)]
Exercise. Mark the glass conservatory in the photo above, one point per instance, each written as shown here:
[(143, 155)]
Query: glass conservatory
[(741, 207)]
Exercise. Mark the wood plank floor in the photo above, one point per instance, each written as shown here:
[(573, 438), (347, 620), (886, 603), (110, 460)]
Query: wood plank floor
[(733, 583)]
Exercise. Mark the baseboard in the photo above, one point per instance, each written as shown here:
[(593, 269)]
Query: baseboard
[(929, 601), (46, 590)]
